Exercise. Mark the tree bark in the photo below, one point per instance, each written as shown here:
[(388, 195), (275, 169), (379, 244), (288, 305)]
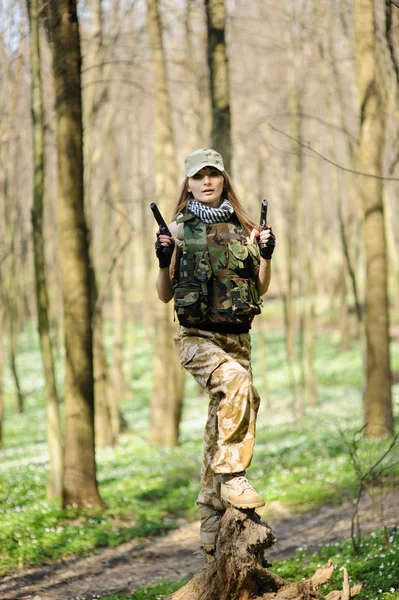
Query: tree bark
[(54, 435), (293, 260), (343, 314), (1, 371), (378, 416), (12, 350), (80, 485), (10, 234), (168, 386), (292, 220), (239, 569), (219, 78), (105, 431), (262, 351), (309, 336), (199, 118), (118, 285)]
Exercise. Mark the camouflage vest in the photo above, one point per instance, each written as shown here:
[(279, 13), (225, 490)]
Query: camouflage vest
[(214, 277)]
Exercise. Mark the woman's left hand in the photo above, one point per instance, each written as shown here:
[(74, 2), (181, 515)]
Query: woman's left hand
[(267, 238)]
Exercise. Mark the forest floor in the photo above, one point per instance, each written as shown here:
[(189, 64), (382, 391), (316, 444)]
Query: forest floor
[(176, 556)]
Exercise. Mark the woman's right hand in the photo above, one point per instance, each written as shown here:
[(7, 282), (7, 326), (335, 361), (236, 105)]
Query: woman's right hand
[(164, 247)]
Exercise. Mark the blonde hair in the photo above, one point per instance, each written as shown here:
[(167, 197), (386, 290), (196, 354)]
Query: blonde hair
[(185, 198)]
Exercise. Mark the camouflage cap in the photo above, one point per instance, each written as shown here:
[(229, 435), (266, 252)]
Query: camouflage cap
[(198, 159)]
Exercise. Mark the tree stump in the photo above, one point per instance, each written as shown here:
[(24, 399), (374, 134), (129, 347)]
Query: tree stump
[(239, 570)]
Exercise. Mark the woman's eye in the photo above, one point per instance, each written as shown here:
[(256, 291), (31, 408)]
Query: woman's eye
[(214, 173)]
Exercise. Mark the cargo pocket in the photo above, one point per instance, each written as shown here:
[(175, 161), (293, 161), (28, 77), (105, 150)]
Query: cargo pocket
[(203, 268), (254, 293), (245, 297), (185, 350), (187, 355), (237, 257), (253, 258), (186, 297), (189, 304)]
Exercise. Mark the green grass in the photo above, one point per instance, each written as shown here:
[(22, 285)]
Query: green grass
[(153, 592), (149, 490)]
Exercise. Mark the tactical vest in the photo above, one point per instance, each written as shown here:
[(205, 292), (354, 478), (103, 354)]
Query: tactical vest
[(214, 277)]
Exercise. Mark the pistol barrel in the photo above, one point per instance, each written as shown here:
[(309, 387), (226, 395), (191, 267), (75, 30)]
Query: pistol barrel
[(159, 219)]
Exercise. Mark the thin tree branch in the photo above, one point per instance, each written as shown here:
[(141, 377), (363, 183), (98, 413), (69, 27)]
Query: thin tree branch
[(115, 80), (328, 160)]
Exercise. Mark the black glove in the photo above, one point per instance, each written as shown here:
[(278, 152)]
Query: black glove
[(268, 248), (164, 253)]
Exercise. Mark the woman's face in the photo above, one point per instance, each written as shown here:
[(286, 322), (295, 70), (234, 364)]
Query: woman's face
[(207, 186)]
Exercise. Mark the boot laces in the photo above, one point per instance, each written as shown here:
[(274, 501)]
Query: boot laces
[(243, 483)]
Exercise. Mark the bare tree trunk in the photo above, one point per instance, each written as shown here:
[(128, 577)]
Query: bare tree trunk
[(293, 264), (378, 416), (292, 216), (80, 485), (392, 36), (91, 94), (198, 95), (349, 264), (1, 371), (309, 333), (12, 350), (105, 431), (118, 287), (168, 378), (343, 316), (8, 154), (219, 75), (393, 250), (54, 436), (10, 232), (262, 347), (148, 249)]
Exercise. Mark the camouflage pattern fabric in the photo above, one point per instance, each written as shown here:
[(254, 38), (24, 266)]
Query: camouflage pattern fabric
[(214, 280), (198, 159), (221, 365)]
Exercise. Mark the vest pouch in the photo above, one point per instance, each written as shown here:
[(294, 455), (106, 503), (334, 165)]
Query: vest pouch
[(190, 304), (254, 257), (186, 297), (256, 299), (203, 268), (245, 297), (237, 256)]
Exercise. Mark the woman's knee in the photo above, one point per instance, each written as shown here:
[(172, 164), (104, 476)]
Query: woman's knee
[(231, 375)]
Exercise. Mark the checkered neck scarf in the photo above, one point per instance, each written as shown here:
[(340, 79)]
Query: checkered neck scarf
[(211, 215)]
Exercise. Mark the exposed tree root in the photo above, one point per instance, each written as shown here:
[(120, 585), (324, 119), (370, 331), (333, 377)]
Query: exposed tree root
[(239, 568)]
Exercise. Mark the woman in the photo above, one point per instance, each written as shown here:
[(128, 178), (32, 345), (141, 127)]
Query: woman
[(216, 266)]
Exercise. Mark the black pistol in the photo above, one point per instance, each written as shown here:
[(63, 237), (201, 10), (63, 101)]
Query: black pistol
[(160, 220), (263, 220)]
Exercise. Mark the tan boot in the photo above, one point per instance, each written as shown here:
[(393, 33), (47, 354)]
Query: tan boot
[(239, 493)]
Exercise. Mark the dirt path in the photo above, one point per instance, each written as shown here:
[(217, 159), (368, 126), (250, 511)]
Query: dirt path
[(175, 556)]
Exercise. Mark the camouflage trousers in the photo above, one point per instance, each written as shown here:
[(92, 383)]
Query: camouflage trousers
[(221, 364)]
